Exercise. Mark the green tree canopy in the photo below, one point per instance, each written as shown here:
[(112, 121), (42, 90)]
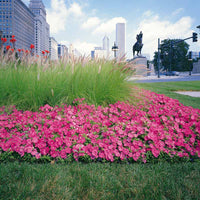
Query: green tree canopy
[(173, 58)]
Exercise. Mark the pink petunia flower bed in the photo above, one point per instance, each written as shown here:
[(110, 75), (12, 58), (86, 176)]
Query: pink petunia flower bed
[(155, 126)]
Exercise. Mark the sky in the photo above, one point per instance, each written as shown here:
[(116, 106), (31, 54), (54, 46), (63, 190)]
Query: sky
[(84, 23)]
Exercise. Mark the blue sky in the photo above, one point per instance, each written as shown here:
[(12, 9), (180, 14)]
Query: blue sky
[(85, 22)]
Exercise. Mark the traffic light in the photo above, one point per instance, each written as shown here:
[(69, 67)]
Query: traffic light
[(194, 37), (190, 55)]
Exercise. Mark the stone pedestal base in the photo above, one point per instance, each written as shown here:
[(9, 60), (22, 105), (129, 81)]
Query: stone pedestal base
[(139, 65)]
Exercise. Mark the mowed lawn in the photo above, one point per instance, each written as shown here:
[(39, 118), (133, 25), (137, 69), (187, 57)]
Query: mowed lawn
[(20, 180), (100, 181), (169, 88)]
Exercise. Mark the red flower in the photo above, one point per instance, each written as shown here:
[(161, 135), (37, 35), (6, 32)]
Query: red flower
[(12, 50), (13, 36), (13, 40), (32, 46), (4, 40), (27, 51), (47, 51), (19, 50), (7, 47), (43, 52)]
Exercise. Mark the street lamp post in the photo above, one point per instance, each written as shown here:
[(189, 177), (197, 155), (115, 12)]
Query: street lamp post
[(115, 49), (158, 61)]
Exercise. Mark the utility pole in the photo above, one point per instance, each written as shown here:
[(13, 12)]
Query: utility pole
[(158, 61), (170, 66)]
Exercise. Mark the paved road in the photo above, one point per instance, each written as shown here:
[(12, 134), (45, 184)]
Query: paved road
[(154, 79)]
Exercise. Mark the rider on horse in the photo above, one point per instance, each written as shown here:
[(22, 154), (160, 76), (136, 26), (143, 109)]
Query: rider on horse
[(138, 45)]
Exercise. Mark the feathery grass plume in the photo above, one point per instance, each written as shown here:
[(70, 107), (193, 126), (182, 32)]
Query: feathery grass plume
[(99, 81), (52, 92), (99, 69)]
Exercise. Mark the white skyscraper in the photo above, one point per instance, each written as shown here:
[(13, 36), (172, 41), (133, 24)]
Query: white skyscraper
[(53, 48), (106, 44), (120, 39), (41, 26)]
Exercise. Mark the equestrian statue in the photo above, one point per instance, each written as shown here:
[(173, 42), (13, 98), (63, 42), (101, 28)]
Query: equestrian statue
[(138, 45)]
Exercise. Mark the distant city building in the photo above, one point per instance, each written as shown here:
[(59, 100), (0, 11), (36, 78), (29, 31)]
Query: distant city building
[(41, 26), (106, 44), (53, 48), (1, 34), (120, 39), (195, 55), (62, 51), (92, 54), (97, 48), (101, 52), (17, 19)]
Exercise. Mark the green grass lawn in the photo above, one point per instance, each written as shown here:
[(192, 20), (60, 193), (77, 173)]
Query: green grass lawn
[(168, 89), (100, 181)]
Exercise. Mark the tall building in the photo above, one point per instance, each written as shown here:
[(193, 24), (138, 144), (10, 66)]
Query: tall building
[(106, 44), (62, 51), (53, 48), (195, 55), (99, 52), (41, 26), (17, 19), (120, 39)]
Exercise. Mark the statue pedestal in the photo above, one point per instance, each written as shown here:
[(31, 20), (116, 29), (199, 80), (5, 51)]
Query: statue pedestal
[(139, 65)]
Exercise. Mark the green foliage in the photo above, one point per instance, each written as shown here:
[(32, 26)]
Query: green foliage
[(30, 87), (6, 157), (175, 58)]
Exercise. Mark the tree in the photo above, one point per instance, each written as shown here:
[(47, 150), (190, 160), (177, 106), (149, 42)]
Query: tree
[(173, 56)]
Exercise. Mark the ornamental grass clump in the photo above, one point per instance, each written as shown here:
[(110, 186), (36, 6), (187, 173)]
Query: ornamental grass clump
[(29, 82)]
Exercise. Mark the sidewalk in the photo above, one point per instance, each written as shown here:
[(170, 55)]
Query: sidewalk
[(182, 76)]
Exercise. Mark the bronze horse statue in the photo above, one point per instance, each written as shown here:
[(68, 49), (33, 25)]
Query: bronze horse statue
[(138, 45)]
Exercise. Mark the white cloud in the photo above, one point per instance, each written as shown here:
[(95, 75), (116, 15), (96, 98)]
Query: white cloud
[(177, 11), (148, 13), (57, 16), (153, 28), (91, 22), (75, 9), (108, 26), (84, 47), (65, 42)]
